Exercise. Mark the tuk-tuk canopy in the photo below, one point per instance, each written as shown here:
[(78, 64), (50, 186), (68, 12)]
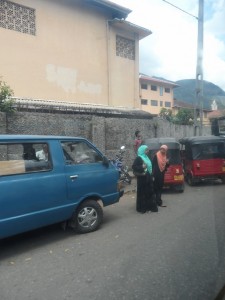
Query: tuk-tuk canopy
[(173, 148), (156, 143), (195, 140), (203, 147)]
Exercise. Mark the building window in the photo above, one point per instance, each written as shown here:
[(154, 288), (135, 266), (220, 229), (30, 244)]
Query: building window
[(144, 86), (154, 103), (161, 103), (167, 90), (17, 17), (125, 47), (161, 91), (167, 104), (154, 87), (144, 102)]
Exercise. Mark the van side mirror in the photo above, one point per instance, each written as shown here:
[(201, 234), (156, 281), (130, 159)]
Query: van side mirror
[(105, 161)]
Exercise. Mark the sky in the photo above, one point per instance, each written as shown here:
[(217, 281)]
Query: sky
[(171, 50)]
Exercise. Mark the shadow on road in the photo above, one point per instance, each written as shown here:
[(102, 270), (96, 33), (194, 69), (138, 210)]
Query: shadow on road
[(28, 241), (39, 238)]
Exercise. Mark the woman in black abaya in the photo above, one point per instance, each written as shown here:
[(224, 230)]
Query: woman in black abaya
[(142, 168)]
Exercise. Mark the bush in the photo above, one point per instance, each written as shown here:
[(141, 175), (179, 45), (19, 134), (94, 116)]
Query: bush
[(166, 114), (6, 103), (185, 116)]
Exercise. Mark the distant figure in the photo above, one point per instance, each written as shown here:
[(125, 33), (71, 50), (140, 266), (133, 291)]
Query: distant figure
[(43, 154), (138, 141)]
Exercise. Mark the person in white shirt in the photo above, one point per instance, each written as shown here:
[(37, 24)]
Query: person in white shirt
[(43, 154)]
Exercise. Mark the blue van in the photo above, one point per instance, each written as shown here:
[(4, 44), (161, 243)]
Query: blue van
[(52, 179)]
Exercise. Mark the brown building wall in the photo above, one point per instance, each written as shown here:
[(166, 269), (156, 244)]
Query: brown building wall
[(72, 57)]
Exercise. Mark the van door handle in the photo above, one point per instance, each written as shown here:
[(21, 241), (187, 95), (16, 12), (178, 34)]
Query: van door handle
[(73, 177)]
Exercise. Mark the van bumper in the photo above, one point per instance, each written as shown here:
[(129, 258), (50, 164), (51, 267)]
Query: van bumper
[(120, 188)]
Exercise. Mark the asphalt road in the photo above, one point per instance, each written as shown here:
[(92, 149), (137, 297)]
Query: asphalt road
[(178, 253)]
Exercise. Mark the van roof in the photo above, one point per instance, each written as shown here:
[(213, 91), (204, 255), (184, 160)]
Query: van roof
[(22, 137)]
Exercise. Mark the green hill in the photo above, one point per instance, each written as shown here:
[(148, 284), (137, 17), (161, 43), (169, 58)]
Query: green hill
[(186, 92)]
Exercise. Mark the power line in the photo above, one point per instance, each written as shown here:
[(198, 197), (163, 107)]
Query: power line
[(181, 9)]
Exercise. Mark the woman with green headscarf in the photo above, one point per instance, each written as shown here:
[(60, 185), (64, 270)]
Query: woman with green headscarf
[(142, 168)]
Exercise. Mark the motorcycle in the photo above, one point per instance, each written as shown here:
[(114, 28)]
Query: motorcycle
[(118, 164)]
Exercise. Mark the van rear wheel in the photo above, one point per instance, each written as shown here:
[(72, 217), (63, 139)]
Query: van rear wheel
[(88, 216)]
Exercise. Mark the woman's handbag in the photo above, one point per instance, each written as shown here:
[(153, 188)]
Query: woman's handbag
[(140, 166), (139, 173)]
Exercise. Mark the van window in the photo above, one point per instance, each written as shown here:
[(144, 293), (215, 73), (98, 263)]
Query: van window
[(79, 152), (18, 158)]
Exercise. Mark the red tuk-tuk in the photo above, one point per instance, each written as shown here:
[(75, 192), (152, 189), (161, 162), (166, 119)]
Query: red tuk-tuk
[(174, 177), (203, 158)]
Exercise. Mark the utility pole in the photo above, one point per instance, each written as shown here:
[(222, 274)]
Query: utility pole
[(198, 106), (199, 74)]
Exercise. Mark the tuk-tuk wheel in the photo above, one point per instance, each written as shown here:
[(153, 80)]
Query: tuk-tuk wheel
[(190, 180), (223, 180)]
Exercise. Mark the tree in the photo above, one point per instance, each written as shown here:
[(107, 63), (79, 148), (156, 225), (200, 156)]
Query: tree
[(166, 114), (6, 103), (185, 116)]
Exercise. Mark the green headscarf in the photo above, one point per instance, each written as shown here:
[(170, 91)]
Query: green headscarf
[(145, 158)]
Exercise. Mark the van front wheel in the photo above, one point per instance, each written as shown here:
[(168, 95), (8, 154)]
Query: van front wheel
[(88, 217)]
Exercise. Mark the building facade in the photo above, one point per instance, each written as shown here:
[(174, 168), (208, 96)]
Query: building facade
[(155, 94), (77, 51)]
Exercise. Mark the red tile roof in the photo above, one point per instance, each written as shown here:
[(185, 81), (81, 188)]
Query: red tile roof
[(215, 114)]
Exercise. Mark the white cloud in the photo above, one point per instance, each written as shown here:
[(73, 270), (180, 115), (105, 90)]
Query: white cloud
[(171, 51)]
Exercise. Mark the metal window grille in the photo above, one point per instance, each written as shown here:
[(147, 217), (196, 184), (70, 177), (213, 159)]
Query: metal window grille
[(17, 17), (125, 48)]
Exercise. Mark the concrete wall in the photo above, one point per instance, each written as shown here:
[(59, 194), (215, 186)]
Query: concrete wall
[(107, 132)]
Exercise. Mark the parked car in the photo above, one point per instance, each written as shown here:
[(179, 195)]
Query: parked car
[(203, 158), (174, 177), (50, 179)]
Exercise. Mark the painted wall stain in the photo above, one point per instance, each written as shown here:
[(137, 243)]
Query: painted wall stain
[(66, 78)]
